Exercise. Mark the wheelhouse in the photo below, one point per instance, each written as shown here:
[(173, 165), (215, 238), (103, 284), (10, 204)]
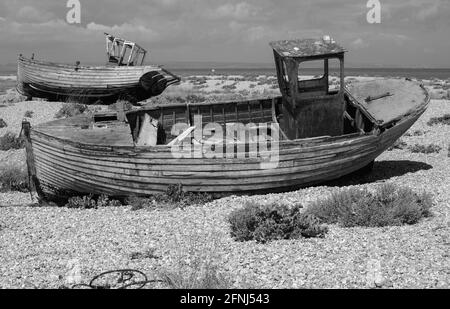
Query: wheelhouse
[(310, 107)]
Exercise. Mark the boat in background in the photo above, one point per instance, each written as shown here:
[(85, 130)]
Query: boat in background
[(125, 77), (317, 134)]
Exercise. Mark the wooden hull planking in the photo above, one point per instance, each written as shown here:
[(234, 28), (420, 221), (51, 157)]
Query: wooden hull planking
[(124, 171), (105, 83)]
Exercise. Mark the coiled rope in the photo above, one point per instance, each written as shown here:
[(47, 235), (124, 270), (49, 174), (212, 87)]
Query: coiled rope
[(122, 279)]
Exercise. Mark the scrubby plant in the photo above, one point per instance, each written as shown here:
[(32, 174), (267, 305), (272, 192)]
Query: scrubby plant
[(418, 133), (229, 87), (142, 255), (13, 178), (264, 223), (432, 148), (11, 141), (83, 202), (445, 120), (194, 98), (173, 197), (3, 123), (70, 110), (121, 104), (105, 201), (90, 202), (138, 203), (244, 93), (389, 205), (12, 96), (399, 144), (28, 114)]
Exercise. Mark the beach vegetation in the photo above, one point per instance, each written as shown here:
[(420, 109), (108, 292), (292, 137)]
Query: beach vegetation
[(13, 178), (11, 141), (71, 110), (425, 149), (388, 205), (263, 223), (443, 120)]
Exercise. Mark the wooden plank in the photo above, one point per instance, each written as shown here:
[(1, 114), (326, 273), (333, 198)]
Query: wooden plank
[(148, 134), (182, 136)]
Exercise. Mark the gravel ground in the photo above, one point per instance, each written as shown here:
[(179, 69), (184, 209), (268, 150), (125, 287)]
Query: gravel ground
[(39, 246)]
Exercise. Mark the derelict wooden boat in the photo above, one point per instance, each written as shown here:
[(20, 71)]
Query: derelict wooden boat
[(102, 155), (124, 78)]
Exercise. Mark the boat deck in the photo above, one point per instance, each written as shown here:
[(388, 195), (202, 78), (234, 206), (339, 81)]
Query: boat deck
[(389, 99), (83, 129)]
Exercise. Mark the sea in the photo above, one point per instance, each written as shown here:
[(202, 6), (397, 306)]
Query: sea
[(8, 72)]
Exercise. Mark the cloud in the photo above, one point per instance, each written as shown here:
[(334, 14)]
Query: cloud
[(215, 30), (240, 11), (359, 43), (428, 11), (125, 30), (32, 15)]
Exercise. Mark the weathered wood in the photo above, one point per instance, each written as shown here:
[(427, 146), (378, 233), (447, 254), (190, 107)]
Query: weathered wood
[(148, 135), (95, 169), (182, 136), (101, 155), (108, 83), (30, 159)]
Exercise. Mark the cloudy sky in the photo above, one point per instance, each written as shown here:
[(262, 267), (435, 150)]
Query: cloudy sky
[(412, 33)]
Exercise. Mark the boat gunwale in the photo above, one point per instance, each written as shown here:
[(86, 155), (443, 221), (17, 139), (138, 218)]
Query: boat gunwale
[(304, 142), (23, 59)]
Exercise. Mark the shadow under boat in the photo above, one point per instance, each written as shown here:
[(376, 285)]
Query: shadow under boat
[(380, 171)]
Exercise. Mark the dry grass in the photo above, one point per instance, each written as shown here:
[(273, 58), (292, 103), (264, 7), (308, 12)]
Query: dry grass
[(196, 261)]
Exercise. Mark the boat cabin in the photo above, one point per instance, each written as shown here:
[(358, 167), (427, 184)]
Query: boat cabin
[(124, 53), (310, 107)]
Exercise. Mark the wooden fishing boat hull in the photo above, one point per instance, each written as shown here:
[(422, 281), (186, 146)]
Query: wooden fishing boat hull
[(61, 82), (63, 163)]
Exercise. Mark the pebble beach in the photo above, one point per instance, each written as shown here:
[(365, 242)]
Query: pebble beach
[(39, 245)]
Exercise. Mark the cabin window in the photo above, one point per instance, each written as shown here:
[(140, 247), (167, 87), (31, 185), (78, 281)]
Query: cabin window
[(334, 75), (319, 77)]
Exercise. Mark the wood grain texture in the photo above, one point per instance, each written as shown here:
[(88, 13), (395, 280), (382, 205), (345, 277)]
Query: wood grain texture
[(58, 81), (69, 158)]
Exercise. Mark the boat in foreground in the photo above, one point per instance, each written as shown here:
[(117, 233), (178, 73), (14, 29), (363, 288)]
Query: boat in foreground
[(308, 135), (124, 78)]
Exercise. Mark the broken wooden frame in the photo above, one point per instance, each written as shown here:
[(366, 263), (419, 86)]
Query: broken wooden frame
[(123, 52)]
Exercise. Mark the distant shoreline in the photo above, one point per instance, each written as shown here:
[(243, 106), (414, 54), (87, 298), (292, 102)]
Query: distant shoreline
[(429, 74)]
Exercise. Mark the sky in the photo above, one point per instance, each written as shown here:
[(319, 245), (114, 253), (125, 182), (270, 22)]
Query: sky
[(412, 33)]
